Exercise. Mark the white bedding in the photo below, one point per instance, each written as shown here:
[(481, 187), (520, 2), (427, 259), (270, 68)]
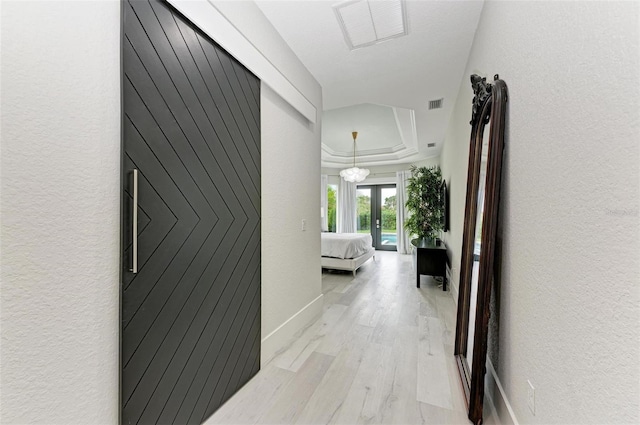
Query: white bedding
[(345, 245)]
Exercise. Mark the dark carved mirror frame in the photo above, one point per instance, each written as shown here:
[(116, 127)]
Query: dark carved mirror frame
[(489, 107)]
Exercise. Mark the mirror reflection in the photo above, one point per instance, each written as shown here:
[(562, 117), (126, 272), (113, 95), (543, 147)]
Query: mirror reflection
[(477, 247), (479, 236)]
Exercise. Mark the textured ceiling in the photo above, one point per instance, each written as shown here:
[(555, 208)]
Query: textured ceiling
[(402, 74)]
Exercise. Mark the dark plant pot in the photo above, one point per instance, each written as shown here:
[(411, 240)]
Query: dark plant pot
[(424, 242)]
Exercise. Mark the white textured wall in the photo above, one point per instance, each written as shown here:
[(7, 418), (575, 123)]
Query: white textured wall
[(454, 162), (291, 270), (570, 304), (60, 205), (60, 212)]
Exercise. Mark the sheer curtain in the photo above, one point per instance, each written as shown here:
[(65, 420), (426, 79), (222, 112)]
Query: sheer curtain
[(346, 207), (324, 203), (403, 245)]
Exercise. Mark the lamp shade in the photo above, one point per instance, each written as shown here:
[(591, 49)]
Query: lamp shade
[(354, 174)]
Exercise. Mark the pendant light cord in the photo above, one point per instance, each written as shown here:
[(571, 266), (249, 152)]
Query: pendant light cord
[(354, 134)]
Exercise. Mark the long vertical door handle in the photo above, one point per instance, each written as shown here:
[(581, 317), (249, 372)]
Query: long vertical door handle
[(134, 218)]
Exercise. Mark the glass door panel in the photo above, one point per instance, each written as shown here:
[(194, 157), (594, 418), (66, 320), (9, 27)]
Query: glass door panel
[(332, 196), (387, 214), (363, 202)]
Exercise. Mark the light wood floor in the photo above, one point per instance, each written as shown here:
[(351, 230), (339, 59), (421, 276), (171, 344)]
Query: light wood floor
[(380, 353)]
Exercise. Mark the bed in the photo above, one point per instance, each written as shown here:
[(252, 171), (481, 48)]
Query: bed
[(346, 251)]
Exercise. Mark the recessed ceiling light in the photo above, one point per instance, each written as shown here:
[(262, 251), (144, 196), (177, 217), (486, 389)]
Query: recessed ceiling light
[(365, 22)]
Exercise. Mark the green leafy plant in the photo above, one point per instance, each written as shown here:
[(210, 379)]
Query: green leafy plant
[(426, 209), (331, 206)]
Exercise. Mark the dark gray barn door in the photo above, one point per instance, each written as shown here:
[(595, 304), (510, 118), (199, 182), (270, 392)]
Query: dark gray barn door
[(191, 128)]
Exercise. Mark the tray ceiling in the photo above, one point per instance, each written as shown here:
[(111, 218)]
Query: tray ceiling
[(381, 90)]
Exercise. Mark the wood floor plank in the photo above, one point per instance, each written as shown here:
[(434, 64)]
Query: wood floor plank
[(430, 414), (433, 376), (401, 404), (332, 297), (288, 406), (298, 352), (457, 393), (447, 312), (370, 389), (428, 308), (268, 383), (326, 402), (357, 289), (385, 331), (336, 338)]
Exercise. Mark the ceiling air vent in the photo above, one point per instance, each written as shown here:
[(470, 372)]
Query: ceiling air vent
[(365, 22), (431, 145), (435, 104)]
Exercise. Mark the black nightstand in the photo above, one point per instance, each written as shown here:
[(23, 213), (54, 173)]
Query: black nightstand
[(431, 260)]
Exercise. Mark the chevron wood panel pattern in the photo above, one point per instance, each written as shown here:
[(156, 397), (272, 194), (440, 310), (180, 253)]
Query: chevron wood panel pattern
[(191, 127)]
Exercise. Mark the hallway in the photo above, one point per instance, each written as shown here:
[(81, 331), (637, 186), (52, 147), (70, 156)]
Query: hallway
[(381, 353)]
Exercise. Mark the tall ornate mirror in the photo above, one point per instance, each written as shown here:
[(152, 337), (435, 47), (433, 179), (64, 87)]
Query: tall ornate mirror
[(479, 236)]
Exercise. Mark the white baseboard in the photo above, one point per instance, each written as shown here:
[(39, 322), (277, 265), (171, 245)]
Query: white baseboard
[(453, 288), (494, 393), (454, 292), (284, 333)]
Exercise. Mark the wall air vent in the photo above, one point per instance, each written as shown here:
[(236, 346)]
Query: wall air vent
[(435, 104), (431, 145), (367, 22)]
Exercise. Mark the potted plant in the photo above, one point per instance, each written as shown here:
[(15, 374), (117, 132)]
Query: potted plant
[(424, 203)]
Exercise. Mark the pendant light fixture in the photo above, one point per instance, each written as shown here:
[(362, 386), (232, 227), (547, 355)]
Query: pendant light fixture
[(354, 174)]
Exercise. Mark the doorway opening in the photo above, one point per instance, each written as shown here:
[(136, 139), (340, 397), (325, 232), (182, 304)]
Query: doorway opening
[(376, 206)]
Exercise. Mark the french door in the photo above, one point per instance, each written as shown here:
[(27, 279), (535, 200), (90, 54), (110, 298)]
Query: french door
[(190, 295), (376, 209)]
